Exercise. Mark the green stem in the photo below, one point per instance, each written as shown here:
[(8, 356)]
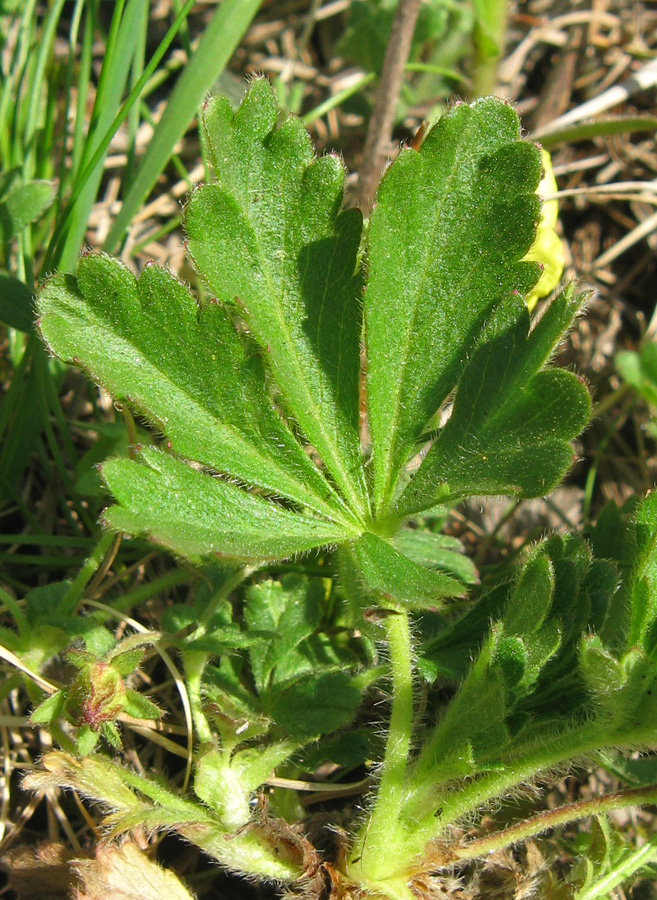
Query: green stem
[(489, 37), (86, 573), (194, 663), (372, 857), (521, 767), (551, 818), (253, 851)]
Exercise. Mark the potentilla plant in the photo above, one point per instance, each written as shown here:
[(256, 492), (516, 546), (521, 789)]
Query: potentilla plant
[(332, 386)]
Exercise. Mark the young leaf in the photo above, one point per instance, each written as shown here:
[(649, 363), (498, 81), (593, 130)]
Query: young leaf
[(473, 722), (270, 236), (451, 224), (21, 204), (185, 368), (198, 516), (436, 551), (643, 582), (389, 575), (531, 597), (291, 610), (316, 704), (512, 420)]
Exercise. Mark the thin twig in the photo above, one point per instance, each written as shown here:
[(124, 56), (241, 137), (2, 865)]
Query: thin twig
[(379, 131)]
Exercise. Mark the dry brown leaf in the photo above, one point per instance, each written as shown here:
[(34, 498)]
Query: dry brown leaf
[(39, 873), (124, 872)]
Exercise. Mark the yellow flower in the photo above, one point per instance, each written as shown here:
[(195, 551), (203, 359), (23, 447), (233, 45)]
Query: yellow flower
[(547, 248)]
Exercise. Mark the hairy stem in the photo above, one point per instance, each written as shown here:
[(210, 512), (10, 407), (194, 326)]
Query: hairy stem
[(372, 853), (551, 818), (524, 766)]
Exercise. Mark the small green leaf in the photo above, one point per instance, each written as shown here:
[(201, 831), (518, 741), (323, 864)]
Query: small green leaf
[(270, 237), (291, 610), (23, 204), (198, 516), (254, 765), (86, 740), (51, 709), (111, 734), (390, 575), (315, 704), (450, 227), (125, 662), (140, 707), (531, 598), (436, 551), (229, 637), (511, 659), (604, 679)]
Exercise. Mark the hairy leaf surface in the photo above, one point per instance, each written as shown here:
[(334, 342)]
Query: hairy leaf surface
[(390, 575), (290, 609), (147, 342), (282, 337), (198, 516), (512, 420), (451, 225), (270, 236)]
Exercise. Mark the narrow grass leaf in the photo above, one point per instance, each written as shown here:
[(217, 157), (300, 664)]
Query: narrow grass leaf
[(217, 45), (116, 66)]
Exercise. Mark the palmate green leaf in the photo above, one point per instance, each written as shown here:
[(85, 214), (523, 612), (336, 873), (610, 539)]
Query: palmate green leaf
[(281, 336), (512, 421), (447, 236), (270, 236), (186, 369), (198, 516)]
